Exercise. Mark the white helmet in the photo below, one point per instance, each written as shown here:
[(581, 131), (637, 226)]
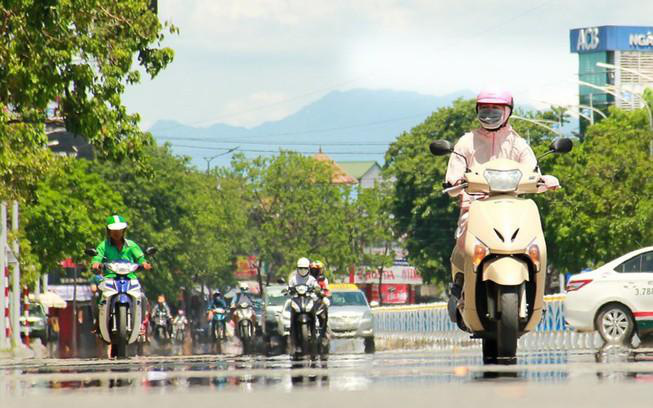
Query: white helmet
[(302, 266), (243, 287)]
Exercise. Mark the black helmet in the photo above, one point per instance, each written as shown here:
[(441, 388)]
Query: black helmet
[(216, 293)]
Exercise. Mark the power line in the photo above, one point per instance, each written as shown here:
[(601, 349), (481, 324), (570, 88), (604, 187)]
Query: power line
[(273, 151), (190, 139)]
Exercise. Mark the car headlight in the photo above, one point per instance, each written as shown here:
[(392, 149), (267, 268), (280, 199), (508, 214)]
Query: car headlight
[(502, 181)]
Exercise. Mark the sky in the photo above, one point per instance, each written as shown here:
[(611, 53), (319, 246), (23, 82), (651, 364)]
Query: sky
[(245, 62)]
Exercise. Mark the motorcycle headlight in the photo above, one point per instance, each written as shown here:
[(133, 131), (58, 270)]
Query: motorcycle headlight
[(295, 307), (301, 290), (310, 305), (502, 181)]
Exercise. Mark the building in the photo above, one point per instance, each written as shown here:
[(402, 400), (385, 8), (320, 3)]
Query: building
[(366, 173), (340, 176), (629, 49)]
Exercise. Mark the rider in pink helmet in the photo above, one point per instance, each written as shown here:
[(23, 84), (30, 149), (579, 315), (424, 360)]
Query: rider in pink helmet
[(495, 139)]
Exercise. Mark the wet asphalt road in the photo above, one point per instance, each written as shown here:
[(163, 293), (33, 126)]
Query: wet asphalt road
[(424, 378)]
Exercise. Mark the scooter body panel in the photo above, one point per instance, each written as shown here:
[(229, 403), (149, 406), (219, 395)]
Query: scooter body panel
[(507, 226)]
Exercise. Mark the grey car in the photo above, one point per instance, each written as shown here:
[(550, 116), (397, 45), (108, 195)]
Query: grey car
[(350, 316)]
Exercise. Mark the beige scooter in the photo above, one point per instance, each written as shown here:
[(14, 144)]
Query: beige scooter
[(500, 254)]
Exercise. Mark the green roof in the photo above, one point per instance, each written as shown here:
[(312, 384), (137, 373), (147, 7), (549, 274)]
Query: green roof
[(357, 169)]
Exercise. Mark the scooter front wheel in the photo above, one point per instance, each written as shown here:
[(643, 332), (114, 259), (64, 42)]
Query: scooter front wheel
[(508, 324)]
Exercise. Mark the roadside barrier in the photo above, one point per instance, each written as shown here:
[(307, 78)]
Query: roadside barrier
[(431, 323)]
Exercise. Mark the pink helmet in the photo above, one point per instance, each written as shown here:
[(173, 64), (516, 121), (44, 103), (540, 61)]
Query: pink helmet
[(495, 97)]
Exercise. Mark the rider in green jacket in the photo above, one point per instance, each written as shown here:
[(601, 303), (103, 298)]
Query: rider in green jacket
[(116, 247)]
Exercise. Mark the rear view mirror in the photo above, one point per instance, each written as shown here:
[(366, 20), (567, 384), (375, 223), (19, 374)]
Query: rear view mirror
[(374, 303), (440, 148), (90, 252), (561, 145), (150, 251)]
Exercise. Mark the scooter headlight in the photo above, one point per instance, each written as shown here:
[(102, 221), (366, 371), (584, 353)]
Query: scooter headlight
[(295, 307), (502, 181)]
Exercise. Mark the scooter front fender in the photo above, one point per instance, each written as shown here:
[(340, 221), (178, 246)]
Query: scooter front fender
[(506, 270)]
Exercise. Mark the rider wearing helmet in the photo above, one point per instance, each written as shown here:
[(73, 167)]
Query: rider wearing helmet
[(242, 295), (217, 300), (117, 247), (317, 271), (302, 274), (494, 139), (161, 309)]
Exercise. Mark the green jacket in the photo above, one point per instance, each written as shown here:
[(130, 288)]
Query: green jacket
[(130, 252)]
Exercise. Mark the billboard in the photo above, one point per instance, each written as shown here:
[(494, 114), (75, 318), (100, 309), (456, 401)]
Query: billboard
[(393, 294), (611, 38), (399, 273), (246, 267)]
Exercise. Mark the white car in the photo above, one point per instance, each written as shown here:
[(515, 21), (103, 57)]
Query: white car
[(615, 299)]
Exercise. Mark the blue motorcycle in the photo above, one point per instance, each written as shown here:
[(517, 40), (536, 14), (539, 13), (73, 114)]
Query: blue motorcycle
[(218, 326), (120, 306)]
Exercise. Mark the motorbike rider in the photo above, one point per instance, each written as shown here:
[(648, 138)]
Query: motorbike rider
[(301, 276), (316, 269), (113, 248), (117, 247), (217, 302), (494, 139), (180, 319), (161, 308), (242, 296)]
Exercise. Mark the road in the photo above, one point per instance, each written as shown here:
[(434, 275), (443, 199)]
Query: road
[(394, 379)]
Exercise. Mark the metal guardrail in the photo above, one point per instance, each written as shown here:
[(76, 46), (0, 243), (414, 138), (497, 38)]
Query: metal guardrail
[(431, 322)]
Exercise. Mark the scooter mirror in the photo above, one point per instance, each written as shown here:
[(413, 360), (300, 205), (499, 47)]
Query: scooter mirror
[(561, 145), (440, 148), (150, 251), (90, 252)]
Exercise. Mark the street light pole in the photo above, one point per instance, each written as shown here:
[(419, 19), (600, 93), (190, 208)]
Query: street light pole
[(616, 95), (210, 159), (641, 95)]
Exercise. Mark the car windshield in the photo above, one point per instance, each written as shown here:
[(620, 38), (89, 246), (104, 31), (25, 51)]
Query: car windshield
[(348, 299), (276, 300)]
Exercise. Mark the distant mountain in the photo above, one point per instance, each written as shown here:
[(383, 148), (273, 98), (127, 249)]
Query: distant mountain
[(370, 118)]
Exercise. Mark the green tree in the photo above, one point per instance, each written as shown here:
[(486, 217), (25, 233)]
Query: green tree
[(81, 54), (372, 227), (175, 208), (424, 216), (297, 211), (67, 214), (605, 206)]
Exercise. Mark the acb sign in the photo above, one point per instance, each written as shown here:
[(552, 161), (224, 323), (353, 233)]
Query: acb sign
[(588, 39)]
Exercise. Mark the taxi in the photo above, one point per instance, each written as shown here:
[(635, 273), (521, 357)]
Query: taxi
[(615, 299)]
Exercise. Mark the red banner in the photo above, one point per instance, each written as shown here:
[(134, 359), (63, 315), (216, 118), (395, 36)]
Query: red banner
[(393, 294)]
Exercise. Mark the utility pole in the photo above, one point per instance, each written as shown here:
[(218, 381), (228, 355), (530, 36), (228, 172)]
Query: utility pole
[(15, 284), (4, 282), (210, 159)]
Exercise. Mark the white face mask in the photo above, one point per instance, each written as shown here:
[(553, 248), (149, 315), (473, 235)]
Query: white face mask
[(491, 118)]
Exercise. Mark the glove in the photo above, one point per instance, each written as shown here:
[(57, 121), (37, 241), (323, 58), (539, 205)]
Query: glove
[(548, 183)]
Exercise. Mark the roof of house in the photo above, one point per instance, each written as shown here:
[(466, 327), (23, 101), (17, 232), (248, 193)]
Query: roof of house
[(340, 176), (357, 169)]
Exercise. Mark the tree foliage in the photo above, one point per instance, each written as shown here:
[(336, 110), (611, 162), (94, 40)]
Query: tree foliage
[(67, 214), (605, 207), (79, 53)]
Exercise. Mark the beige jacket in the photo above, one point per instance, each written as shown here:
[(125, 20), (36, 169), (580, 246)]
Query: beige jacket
[(480, 146)]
